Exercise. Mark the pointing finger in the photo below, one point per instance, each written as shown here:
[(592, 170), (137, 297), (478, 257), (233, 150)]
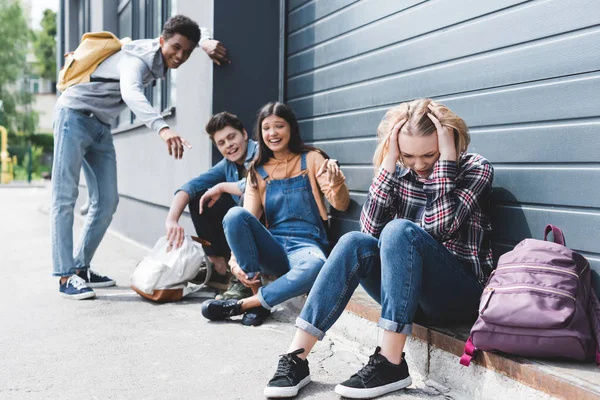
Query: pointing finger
[(186, 143)]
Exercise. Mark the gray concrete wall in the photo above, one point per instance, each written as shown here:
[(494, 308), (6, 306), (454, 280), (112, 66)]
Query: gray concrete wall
[(523, 74), (103, 15)]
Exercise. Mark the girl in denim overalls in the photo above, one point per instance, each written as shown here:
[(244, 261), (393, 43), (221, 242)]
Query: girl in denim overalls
[(287, 181)]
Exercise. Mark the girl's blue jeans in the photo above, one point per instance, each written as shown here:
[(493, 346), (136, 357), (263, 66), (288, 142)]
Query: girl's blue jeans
[(405, 269), (296, 260)]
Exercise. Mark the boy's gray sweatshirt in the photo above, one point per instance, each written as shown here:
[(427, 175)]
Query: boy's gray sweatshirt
[(119, 82)]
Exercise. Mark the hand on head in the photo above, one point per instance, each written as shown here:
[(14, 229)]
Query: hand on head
[(445, 134)]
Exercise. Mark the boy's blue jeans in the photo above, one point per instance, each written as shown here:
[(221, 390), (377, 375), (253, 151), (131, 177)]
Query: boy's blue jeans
[(81, 140), (404, 269)]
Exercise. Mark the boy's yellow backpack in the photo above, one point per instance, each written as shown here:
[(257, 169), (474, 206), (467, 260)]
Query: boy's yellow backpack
[(80, 64)]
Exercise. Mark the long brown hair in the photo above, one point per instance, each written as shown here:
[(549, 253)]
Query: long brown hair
[(419, 124), (296, 144)]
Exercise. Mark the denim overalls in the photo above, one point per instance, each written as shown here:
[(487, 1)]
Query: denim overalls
[(294, 245)]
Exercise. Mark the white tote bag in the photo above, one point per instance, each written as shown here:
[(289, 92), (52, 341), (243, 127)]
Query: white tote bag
[(163, 275)]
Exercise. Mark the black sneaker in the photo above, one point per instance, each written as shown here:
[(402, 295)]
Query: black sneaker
[(255, 316), (216, 310), (377, 378), (291, 376), (95, 280)]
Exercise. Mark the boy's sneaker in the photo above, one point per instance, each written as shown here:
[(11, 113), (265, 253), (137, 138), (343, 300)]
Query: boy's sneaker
[(216, 310), (95, 280), (75, 288), (291, 376), (208, 276), (377, 378), (255, 316), (236, 290)]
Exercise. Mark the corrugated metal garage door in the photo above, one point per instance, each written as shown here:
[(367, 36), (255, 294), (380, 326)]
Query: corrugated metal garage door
[(525, 75)]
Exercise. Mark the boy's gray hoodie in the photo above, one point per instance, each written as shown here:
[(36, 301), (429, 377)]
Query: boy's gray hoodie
[(119, 82)]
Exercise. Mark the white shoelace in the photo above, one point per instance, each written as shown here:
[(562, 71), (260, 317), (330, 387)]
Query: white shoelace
[(77, 282)]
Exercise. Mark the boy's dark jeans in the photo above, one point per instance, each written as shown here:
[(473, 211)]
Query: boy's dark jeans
[(209, 224)]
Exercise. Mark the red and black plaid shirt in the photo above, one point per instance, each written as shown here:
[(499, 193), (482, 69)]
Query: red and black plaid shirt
[(452, 205)]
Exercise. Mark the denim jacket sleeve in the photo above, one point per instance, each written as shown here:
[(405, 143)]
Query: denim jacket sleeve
[(206, 180), (242, 185)]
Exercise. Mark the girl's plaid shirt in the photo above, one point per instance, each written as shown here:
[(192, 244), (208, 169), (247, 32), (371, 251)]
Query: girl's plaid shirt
[(456, 204)]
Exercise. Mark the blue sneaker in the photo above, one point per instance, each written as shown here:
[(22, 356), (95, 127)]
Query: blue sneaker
[(95, 280), (76, 289)]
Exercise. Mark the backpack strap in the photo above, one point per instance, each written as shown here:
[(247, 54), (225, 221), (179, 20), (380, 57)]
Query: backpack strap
[(559, 237), (470, 352), (594, 314)]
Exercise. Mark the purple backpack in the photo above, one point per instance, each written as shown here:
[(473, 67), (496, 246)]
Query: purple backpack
[(538, 302)]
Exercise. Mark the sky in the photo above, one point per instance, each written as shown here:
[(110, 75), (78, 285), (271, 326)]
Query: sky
[(37, 10)]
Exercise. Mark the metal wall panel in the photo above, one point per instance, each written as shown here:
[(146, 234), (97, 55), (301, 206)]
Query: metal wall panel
[(525, 76)]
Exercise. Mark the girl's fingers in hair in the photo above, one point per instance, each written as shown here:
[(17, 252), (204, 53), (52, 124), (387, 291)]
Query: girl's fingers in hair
[(398, 126), (434, 109), (436, 122)]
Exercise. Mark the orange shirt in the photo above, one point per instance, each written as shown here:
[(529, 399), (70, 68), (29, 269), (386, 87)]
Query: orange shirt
[(335, 192)]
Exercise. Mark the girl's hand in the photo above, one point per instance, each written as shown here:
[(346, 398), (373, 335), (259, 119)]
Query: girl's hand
[(445, 135), (393, 154), (331, 168), (239, 273)]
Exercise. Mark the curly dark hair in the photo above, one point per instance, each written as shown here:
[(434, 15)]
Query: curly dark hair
[(182, 25)]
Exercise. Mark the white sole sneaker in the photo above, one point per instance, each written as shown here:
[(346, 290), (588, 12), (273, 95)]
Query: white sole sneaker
[(355, 393), (80, 296), (101, 284), (282, 392)]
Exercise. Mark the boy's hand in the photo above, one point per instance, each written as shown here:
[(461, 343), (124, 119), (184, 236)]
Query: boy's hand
[(211, 196), (216, 51), (175, 233), (174, 142)]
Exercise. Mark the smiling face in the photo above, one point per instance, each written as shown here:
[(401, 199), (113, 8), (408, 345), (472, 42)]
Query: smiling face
[(276, 135), (176, 50), (232, 143), (419, 153)]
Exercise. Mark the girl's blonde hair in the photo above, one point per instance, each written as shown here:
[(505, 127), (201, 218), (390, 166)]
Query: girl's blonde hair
[(418, 124)]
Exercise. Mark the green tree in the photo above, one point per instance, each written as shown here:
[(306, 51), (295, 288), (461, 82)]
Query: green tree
[(16, 114), (44, 46)]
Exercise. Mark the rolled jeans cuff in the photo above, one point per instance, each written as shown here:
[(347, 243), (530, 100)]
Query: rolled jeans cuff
[(262, 299), (309, 328), (392, 326)]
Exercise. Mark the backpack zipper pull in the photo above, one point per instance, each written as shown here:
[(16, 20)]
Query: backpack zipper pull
[(484, 303)]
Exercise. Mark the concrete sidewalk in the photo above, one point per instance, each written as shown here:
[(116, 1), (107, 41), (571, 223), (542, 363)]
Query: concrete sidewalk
[(122, 347)]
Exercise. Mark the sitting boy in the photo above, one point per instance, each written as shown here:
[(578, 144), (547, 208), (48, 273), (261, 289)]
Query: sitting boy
[(211, 195)]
